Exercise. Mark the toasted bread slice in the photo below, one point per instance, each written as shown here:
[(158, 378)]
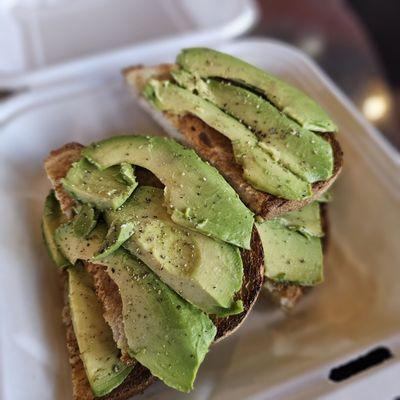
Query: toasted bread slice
[(215, 148), (253, 264)]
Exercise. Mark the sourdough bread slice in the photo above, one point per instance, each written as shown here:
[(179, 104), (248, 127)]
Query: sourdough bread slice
[(215, 148), (60, 161)]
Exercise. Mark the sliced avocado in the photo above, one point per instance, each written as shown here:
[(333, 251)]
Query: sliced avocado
[(303, 152), (259, 167), (307, 220), (265, 174), (197, 196), (97, 348), (290, 256), (208, 63), (118, 233), (292, 246), (165, 333), (127, 174), (104, 189), (52, 218), (167, 96), (75, 247), (86, 220), (204, 271)]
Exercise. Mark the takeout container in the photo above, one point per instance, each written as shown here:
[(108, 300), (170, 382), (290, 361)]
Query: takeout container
[(272, 356)]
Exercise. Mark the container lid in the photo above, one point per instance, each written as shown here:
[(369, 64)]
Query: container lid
[(42, 41)]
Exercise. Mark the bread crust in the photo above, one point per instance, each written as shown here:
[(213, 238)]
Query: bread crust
[(253, 279), (56, 165)]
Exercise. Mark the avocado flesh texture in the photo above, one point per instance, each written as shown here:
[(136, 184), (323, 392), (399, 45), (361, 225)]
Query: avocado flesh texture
[(117, 235), (307, 220), (86, 220), (259, 167), (197, 196), (165, 333), (303, 152), (75, 247), (52, 218), (207, 63), (289, 255), (103, 189), (204, 271), (98, 351)]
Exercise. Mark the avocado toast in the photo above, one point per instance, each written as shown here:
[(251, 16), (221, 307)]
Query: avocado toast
[(152, 278), (210, 101), (274, 145)]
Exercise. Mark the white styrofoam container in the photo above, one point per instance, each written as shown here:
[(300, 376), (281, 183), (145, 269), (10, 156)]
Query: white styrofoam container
[(272, 356), (64, 40)]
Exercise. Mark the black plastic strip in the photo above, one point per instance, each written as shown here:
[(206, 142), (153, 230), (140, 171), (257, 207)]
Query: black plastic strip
[(372, 358)]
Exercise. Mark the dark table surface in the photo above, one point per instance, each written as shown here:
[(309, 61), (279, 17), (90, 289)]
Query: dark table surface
[(331, 33)]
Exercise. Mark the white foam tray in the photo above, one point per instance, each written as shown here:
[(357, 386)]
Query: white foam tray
[(43, 41), (271, 357)]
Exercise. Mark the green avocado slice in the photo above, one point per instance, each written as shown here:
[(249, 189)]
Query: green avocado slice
[(197, 196), (75, 247), (204, 271), (208, 63), (86, 220), (165, 333), (303, 152), (118, 233), (52, 218), (259, 168), (307, 220), (289, 256), (103, 189), (265, 174), (292, 246), (98, 351)]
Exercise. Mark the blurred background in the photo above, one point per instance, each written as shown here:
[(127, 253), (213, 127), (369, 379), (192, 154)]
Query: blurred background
[(354, 41)]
